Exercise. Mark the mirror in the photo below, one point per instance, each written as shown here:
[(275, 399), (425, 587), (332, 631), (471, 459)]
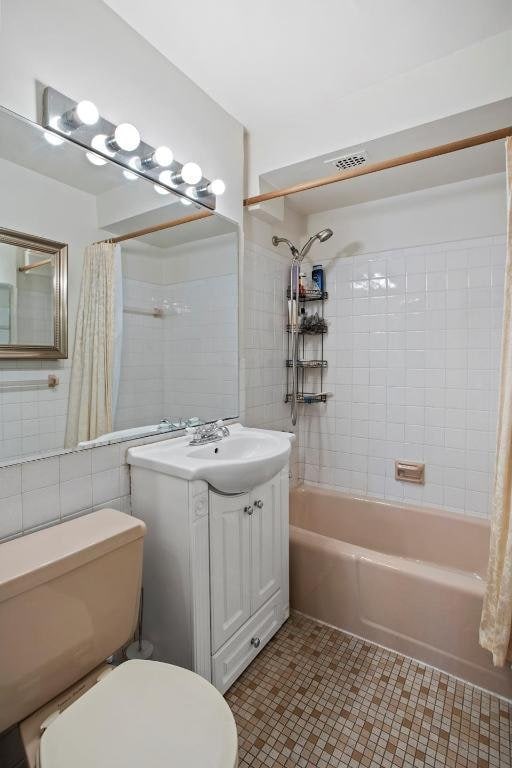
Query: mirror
[(174, 308), (33, 296)]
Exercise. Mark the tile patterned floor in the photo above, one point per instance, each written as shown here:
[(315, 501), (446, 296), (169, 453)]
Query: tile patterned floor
[(316, 697)]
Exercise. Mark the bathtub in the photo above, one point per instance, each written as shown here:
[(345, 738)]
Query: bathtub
[(408, 578)]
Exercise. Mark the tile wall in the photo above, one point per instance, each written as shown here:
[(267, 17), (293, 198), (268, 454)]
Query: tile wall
[(199, 331), (413, 349), (46, 491), (266, 277), (141, 386)]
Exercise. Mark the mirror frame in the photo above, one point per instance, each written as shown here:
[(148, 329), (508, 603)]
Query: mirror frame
[(59, 349)]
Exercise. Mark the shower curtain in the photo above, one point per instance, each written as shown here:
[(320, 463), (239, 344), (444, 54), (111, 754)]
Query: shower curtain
[(495, 625), (96, 361)]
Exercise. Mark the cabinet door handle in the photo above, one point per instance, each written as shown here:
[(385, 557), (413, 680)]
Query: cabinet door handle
[(249, 509), (258, 503), (255, 641)]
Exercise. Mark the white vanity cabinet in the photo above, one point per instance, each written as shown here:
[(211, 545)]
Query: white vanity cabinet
[(215, 570)]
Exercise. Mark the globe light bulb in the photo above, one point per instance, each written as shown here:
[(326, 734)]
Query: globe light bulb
[(217, 187), (53, 139), (163, 156), (127, 137), (87, 112), (166, 178), (160, 190), (191, 173), (95, 159), (184, 201), (130, 175), (99, 143)]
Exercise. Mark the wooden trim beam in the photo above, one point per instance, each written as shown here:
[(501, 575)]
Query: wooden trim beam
[(34, 265), (394, 162), (159, 227)]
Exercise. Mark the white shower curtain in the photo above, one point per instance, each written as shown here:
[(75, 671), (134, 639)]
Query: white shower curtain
[(495, 626), (93, 374)]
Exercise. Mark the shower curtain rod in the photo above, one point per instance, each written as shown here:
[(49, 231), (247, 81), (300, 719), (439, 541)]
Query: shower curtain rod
[(158, 227), (394, 162)]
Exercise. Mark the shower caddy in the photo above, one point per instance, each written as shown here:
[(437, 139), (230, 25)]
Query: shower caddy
[(305, 365)]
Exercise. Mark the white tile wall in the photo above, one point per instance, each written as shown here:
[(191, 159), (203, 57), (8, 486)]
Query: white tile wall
[(44, 491), (266, 276), (32, 420), (201, 348), (413, 349), (141, 386)]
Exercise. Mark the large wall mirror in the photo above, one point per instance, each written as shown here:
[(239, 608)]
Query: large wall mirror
[(160, 306)]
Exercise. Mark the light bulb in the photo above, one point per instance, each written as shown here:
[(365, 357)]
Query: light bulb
[(160, 190), (191, 192), (184, 201), (166, 177), (95, 159), (87, 112), (127, 137), (191, 173), (130, 175), (134, 162), (217, 187), (99, 143), (53, 139), (163, 156)]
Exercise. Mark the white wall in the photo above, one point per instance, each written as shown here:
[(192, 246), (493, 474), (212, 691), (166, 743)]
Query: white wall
[(466, 209), (469, 78), (415, 301), (86, 51)]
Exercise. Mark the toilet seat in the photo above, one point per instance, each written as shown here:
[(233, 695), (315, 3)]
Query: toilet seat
[(143, 713)]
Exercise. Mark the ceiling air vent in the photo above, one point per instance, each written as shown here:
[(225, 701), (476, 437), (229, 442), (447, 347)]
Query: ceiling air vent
[(346, 162)]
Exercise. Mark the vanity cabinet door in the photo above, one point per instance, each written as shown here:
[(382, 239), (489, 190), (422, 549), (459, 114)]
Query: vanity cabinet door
[(230, 577), (266, 548)]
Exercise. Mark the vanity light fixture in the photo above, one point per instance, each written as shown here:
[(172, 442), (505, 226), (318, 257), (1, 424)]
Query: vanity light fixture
[(85, 112), (166, 177), (162, 156), (99, 143), (215, 187), (126, 137), (81, 123), (95, 159), (53, 139), (191, 173)]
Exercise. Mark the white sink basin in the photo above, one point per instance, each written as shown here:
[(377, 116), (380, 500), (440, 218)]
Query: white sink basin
[(234, 464)]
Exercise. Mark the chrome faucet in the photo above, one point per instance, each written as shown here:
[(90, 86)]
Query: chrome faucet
[(208, 433)]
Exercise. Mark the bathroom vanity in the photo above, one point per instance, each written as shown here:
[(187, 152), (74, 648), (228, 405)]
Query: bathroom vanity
[(216, 550)]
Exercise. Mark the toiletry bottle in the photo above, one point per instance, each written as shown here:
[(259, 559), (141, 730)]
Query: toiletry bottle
[(302, 285), (318, 277)]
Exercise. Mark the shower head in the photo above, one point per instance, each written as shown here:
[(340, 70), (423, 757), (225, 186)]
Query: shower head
[(322, 236), (278, 240)]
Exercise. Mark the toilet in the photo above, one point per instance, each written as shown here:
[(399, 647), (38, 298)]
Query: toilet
[(69, 599)]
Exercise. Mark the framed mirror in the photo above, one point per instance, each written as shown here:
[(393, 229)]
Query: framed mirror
[(33, 297), (173, 301)]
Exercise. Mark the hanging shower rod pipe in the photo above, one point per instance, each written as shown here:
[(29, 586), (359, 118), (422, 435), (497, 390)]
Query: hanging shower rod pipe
[(158, 227), (394, 162)]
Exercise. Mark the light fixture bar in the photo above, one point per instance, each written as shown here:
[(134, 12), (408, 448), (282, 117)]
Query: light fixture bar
[(57, 106)]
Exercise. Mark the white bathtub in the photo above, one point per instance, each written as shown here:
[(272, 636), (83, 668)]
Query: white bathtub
[(408, 578)]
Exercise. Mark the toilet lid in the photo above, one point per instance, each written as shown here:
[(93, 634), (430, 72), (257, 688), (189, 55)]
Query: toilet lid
[(144, 713)]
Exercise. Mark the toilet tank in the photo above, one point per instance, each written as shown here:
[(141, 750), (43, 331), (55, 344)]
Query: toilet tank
[(69, 598)]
